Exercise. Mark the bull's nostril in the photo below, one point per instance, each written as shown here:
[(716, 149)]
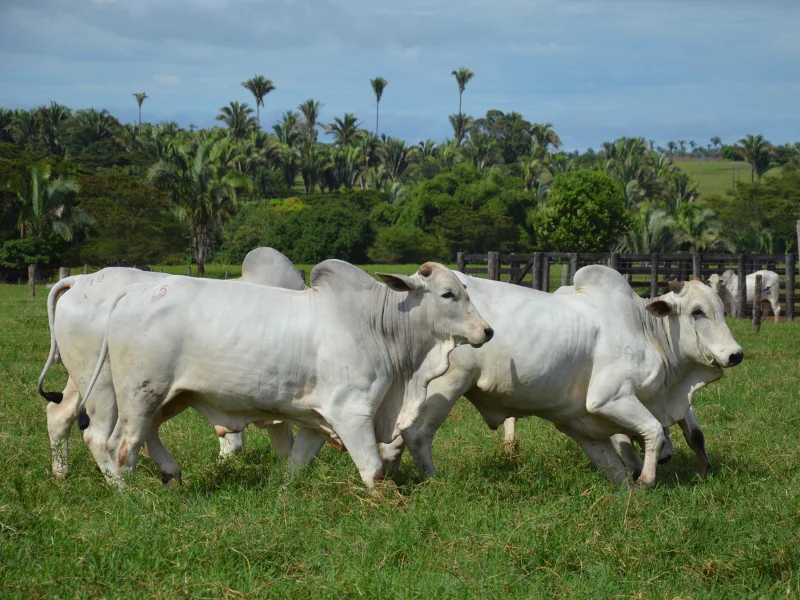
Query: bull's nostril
[(735, 358), (489, 333)]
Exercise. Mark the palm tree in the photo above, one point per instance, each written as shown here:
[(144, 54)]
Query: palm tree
[(378, 85), (310, 111), (544, 136), (481, 150), (238, 118), (345, 130), (716, 141), (652, 231), (757, 152), (202, 189), (671, 146), (396, 157), (699, 229), (140, 98), (287, 130), (6, 119), (314, 160), (50, 120), (259, 86), (46, 206), (682, 144), (462, 75), (461, 125)]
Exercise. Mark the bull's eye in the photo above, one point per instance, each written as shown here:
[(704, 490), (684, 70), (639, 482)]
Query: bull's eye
[(698, 314), (448, 295)]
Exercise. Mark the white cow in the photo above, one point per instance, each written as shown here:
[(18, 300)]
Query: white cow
[(608, 363), (348, 358), (78, 328), (727, 286)]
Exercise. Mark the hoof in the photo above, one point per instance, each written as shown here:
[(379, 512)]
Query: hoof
[(664, 459), (636, 474), (83, 420), (171, 479)]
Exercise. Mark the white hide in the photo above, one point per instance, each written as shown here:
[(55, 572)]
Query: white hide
[(727, 286), (348, 358), (596, 361)]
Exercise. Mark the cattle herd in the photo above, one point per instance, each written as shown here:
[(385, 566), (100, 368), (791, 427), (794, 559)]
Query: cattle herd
[(356, 362)]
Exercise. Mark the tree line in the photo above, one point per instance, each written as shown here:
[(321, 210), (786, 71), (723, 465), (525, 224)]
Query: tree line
[(79, 186)]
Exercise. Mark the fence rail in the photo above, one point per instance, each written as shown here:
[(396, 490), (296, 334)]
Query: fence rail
[(648, 274)]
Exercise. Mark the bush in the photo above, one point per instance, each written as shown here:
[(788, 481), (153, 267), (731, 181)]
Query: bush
[(584, 212), (405, 244)]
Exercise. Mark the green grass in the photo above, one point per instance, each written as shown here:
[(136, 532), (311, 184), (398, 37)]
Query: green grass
[(717, 177), (540, 525)]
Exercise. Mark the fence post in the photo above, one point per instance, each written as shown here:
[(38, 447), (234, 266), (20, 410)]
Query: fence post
[(573, 267), (653, 275), (564, 274), (536, 280), (789, 288), (85, 268), (226, 272), (63, 273), (32, 279), (303, 275), (798, 238), (741, 294), (697, 262), (461, 264), (545, 274), (189, 270), (494, 266), (757, 305), (613, 261)]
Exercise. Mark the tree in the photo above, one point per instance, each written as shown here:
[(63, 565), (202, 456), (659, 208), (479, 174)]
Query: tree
[(585, 211), (202, 189), (396, 157), (463, 76), (310, 111), (461, 125), (238, 118), (757, 152), (699, 230), (544, 136), (259, 86), (510, 131), (140, 98), (345, 130), (46, 208), (716, 142), (378, 85)]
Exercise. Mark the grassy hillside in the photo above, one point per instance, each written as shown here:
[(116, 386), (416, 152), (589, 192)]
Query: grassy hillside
[(541, 524), (716, 176)]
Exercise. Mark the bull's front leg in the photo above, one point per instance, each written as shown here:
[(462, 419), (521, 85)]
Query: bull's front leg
[(623, 408), (695, 439), (357, 432)]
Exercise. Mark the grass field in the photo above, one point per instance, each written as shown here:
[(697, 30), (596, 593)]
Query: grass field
[(716, 177), (542, 524)]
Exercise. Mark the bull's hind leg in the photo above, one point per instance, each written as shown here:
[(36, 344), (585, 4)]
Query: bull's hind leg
[(282, 438), (306, 447), (60, 418), (602, 455), (136, 424)]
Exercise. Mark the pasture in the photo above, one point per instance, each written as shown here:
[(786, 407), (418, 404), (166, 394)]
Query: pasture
[(543, 523), (716, 177)]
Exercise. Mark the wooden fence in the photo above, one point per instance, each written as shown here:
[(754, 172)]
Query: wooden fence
[(648, 274)]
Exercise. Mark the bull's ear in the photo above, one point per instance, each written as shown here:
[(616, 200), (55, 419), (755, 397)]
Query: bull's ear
[(660, 308), (399, 283)]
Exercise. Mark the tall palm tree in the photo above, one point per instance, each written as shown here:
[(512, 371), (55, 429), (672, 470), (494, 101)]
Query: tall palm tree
[(259, 86), (202, 188), (462, 75), (461, 125), (671, 146), (345, 131), (757, 151), (378, 85), (716, 141), (310, 110), (544, 136), (140, 98), (238, 118)]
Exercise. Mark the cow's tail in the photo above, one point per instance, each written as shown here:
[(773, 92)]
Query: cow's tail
[(83, 418), (52, 297)]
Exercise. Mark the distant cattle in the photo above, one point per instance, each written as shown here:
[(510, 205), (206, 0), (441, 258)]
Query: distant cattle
[(727, 286), (77, 329), (348, 358), (596, 362)]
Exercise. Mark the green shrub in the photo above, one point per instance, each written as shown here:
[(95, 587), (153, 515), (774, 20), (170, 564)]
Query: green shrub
[(405, 244)]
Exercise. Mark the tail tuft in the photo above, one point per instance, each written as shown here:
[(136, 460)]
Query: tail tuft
[(83, 420), (54, 397)]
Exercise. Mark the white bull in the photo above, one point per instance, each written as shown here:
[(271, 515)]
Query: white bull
[(77, 330), (348, 358), (604, 362), (727, 286)]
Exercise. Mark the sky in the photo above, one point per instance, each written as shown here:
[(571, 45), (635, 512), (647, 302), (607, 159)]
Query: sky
[(598, 70)]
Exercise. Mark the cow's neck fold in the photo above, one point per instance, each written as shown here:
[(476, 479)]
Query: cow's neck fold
[(664, 335)]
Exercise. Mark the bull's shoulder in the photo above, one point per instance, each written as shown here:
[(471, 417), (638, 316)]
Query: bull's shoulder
[(338, 274)]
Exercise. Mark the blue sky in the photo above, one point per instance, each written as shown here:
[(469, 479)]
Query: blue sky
[(664, 69)]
